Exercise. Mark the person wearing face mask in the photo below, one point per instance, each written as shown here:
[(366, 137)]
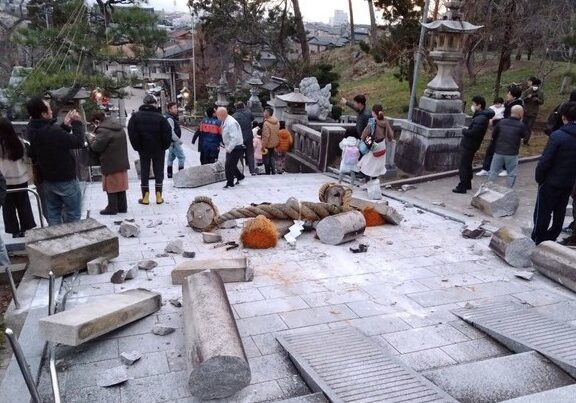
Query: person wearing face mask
[(471, 142), (109, 140), (533, 97)]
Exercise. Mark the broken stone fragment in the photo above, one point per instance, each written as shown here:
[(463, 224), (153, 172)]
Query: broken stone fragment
[(131, 273), (162, 330), (129, 229), (211, 237), (406, 188), (113, 376), (130, 358), (496, 200), (524, 275), (118, 277), (175, 302), (147, 265), (159, 255), (176, 246), (189, 254), (228, 224), (153, 224), (97, 266)]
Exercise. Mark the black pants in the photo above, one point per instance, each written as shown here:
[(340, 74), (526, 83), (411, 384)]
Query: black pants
[(529, 123), (231, 165), (157, 160), (17, 212), (269, 162), (249, 155), (465, 168), (550, 206)]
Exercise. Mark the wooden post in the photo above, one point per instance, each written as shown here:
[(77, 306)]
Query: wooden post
[(341, 228), (215, 353)]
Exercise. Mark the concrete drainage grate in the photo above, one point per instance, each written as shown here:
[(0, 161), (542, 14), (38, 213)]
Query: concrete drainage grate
[(522, 329), (349, 367)]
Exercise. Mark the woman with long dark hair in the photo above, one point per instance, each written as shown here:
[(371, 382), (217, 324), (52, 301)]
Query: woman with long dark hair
[(17, 212)]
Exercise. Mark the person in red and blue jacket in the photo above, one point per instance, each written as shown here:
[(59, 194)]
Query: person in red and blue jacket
[(209, 137)]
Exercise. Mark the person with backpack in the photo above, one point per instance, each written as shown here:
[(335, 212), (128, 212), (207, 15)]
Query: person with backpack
[(554, 121), (175, 151), (471, 142), (556, 176), (350, 156), (373, 141)]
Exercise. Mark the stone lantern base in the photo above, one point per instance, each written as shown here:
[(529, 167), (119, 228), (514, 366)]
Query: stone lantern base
[(423, 149)]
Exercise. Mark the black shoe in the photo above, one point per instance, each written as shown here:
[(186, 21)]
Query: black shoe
[(169, 172), (459, 189), (468, 186), (240, 179), (228, 186), (108, 211)]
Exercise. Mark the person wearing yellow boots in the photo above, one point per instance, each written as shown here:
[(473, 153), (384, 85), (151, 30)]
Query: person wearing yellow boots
[(150, 135)]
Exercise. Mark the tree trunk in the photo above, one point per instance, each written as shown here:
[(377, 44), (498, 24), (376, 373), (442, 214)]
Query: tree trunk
[(436, 9), (519, 54), (301, 32), (373, 32), (352, 39), (506, 50)]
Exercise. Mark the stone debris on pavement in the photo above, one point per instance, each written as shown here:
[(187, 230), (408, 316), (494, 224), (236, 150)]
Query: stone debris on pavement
[(406, 188), (473, 234), (154, 223), (512, 246), (129, 358), (113, 376), (189, 254), (230, 224), (118, 277), (176, 246), (97, 266), (200, 175), (131, 273), (147, 265), (495, 200), (160, 329), (129, 229), (175, 302), (161, 255), (101, 315), (524, 275), (230, 270), (211, 237), (556, 262)]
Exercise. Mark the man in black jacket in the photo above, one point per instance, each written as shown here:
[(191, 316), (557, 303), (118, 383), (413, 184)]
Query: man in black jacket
[(364, 115), (150, 135), (508, 133), (244, 117), (4, 259), (471, 142), (51, 148), (556, 175)]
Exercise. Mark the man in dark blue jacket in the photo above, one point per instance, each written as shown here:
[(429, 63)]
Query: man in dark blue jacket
[(471, 142), (556, 175), (150, 135), (244, 117)]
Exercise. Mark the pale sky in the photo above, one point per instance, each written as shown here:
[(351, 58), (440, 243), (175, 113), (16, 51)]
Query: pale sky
[(312, 10)]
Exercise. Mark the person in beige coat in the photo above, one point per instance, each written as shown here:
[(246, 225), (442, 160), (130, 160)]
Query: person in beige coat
[(270, 139)]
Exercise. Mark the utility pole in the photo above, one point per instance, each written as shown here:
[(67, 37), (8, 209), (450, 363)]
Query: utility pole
[(418, 61), (351, 23), (373, 32), (193, 63)]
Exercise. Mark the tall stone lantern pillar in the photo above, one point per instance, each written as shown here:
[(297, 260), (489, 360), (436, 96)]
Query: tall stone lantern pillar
[(430, 143), (254, 103), (222, 92)]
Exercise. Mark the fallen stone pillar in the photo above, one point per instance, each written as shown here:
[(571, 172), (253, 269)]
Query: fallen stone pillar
[(496, 200), (390, 214), (514, 247), (230, 270), (66, 248), (341, 228), (87, 321), (215, 354), (556, 262), (201, 175)]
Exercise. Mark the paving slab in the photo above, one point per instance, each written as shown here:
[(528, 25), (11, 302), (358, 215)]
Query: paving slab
[(424, 338), (88, 321), (523, 329), (563, 394), (347, 366), (499, 378), (314, 398)]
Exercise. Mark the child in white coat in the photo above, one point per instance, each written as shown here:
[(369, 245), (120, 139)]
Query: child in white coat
[(350, 156)]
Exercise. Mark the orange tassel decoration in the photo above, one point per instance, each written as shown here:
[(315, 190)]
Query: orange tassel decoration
[(373, 218), (259, 233)]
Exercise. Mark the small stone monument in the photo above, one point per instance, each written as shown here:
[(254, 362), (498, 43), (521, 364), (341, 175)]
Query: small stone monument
[(310, 87), (254, 103), (295, 112), (222, 92), (430, 143)]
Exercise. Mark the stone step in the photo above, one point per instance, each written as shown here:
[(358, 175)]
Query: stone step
[(314, 398), (499, 378), (103, 314), (523, 329), (558, 395), (349, 367)]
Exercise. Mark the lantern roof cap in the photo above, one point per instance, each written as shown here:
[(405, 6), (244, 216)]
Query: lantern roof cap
[(296, 97)]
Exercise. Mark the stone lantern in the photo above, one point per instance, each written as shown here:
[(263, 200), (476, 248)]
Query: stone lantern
[(254, 103), (222, 92), (430, 143), (211, 86), (295, 112)]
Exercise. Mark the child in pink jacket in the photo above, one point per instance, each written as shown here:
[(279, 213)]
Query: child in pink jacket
[(257, 142)]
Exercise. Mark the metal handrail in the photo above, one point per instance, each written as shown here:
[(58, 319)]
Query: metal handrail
[(23, 364), (38, 202), (52, 311)]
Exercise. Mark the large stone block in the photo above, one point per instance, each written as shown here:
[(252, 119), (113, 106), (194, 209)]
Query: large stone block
[(556, 262), (66, 248), (201, 175), (217, 362), (496, 200), (513, 247), (438, 120), (230, 270), (87, 321), (440, 105)]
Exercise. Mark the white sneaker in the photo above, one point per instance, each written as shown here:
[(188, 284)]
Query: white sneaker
[(483, 173), (503, 173)]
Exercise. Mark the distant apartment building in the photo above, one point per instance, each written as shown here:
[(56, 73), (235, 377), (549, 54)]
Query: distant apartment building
[(14, 7), (340, 18)]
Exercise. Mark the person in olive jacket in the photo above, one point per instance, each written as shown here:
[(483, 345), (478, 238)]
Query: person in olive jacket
[(109, 140), (471, 142), (150, 135)]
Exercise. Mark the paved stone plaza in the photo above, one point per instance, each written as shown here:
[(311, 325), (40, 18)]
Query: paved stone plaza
[(400, 294)]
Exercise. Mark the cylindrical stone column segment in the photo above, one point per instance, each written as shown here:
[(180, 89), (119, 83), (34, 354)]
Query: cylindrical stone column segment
[(514, 247), (215, 353), (341, 228)]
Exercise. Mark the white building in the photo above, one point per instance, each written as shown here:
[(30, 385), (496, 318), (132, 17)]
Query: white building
[(340, 18)]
